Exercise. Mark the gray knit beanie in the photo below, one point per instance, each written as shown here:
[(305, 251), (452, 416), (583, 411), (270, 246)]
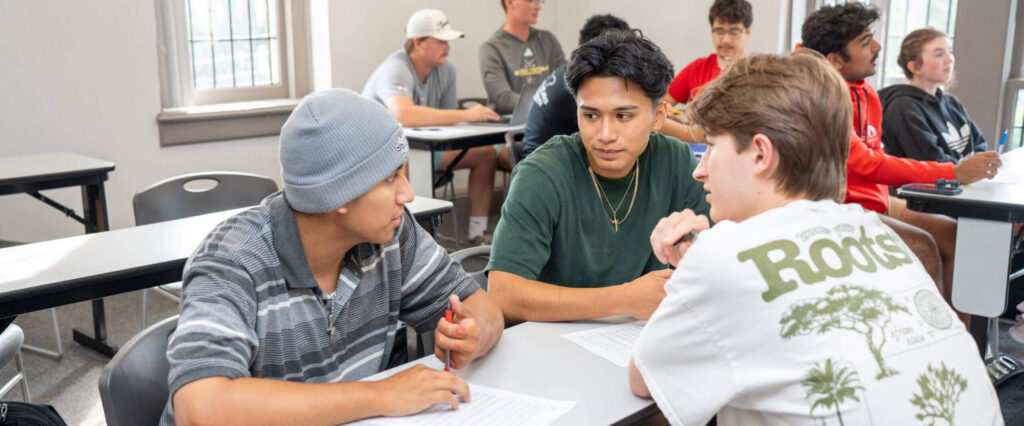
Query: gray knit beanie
[(335, 146)]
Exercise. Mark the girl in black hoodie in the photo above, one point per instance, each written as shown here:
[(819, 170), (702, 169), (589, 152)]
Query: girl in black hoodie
[(919, 120)]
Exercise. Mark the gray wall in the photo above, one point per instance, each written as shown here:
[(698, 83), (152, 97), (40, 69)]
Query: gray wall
[(988, 31)]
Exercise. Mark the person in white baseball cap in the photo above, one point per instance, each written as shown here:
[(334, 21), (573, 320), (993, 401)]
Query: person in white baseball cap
[(417, 85)]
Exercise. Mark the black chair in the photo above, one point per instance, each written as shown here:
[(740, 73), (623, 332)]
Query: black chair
[(183, 196), (133, 385)]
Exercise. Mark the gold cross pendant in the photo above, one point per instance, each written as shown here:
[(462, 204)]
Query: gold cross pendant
[(616, 223)]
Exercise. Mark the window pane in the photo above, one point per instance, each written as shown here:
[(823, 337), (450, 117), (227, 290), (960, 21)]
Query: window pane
[(259, 19), (275, 61), (938, 16), (261, 62), (1016, 140), (917, 14), (892, 53), (272, 8), (202, 65), (222, 64), (239, 19), (221, 19), (199, 19), (243, 63), (897, 18), (952, 18)]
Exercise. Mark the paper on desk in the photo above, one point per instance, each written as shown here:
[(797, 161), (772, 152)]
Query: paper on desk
[(436, 132), (612, 342), (489, 406)]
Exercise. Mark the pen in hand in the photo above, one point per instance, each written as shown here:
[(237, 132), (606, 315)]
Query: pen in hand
[(1002, 142), (689, 236), (450, 317)]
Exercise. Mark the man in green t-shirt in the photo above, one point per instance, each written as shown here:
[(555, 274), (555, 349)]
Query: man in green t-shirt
[(573, 240)]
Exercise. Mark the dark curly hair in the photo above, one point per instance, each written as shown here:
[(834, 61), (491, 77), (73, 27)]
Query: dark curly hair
[(597, 24), (831, 28), (626, 54), (731, 12)]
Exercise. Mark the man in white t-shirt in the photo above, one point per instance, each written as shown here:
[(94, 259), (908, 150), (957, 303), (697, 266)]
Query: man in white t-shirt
[(795, 309)]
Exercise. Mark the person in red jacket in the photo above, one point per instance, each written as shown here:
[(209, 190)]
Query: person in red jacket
[(844, 36)]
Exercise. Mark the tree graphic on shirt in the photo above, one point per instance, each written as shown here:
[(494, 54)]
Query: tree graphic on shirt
[(847, 307), (940, 391), (833, 385)]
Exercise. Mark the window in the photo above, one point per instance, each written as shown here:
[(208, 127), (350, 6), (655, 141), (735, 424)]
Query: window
[(231, 68), (906, 16), (233, 44), (1016, 129)]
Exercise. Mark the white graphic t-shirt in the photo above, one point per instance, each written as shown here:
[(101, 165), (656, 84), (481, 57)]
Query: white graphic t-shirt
[(810, 314)]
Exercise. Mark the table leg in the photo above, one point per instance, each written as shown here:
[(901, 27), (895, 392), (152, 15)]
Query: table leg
[(94, 204)]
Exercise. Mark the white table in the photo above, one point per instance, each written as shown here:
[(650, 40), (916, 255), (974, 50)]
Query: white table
[(68, 270), (424, 141), (532, 358), (985, 212)]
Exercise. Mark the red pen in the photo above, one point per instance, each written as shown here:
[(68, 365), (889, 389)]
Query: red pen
[(448, 316)]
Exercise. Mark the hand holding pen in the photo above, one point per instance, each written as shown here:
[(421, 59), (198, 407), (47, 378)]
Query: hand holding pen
[(457, 337), (675, 234)]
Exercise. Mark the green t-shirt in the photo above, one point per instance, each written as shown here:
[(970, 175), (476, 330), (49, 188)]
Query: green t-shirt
[(554, 229)]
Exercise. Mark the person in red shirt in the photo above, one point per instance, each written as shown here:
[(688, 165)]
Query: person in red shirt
[(730, 27), (844, 36)]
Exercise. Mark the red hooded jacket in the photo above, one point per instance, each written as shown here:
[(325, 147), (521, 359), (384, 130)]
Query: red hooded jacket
[(869, 170)]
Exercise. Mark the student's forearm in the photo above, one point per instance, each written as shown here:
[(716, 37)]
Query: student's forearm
[(528, 300), (636, 381), (491, 320), (253, 401), (416, 115), (683, 132)]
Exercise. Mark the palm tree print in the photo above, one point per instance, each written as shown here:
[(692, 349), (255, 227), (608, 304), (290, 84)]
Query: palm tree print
[(832, 385)]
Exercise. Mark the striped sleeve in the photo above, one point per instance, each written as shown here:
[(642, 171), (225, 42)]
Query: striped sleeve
[(216, 333), (429, 277)]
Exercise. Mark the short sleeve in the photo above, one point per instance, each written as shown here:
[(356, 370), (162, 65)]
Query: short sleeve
[(394, 80), (429, 277), (522, 239), (216, 331), (685, 364)]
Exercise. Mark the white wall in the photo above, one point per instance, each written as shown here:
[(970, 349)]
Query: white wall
[(83, 77)]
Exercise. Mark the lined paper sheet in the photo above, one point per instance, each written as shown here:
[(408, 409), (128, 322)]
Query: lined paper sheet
[(489, 406), (612, 342)]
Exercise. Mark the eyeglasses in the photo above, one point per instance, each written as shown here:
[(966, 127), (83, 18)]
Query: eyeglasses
[(732, 32)]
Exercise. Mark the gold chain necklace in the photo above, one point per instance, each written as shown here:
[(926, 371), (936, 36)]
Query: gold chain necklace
[(601, 196)]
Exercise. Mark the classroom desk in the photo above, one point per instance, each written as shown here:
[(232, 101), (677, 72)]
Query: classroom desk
[(86, 267), (985, 212), (424, 141), (533, 358), (30, 174)]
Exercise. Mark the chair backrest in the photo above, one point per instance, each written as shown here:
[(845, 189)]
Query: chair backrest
[(514, 142), (474, 261), (171, 199), (10, 343), (133, 385)]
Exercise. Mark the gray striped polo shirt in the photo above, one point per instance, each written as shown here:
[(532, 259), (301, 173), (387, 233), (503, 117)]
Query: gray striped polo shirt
[(251, 308)]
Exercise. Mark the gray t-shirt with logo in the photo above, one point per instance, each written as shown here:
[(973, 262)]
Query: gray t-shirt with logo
[(507, 64), (397, 76)]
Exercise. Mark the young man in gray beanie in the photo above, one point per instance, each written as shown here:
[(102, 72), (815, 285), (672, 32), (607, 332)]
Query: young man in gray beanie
[(286, 305)]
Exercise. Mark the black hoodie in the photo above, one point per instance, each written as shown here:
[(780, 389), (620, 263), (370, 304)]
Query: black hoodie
[(925, 127)]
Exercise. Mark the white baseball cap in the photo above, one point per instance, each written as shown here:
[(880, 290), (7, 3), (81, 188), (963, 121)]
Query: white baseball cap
[(430, 23)]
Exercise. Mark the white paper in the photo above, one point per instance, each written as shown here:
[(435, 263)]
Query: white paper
[(612, 342), (432, 132), (489, 406)]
